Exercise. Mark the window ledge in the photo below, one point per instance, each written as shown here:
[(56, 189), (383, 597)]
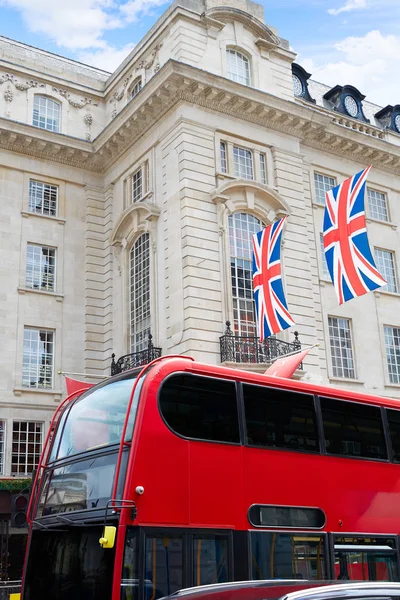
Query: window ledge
[(346, 379), (377, 293), (24, 290), (392, 385), (323, 281), (18, 391), (27, 214), (316, 205), (221, 175), (386, 223)]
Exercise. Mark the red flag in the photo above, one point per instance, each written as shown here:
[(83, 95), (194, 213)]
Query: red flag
[(287, 365), (73, 385)]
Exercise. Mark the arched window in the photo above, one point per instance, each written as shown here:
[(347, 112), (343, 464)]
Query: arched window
[(238, 66), (140, 313), (242, 226), (136, 87), (46, 113)]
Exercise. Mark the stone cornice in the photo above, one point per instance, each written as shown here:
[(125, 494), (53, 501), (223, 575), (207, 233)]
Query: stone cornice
[(177, 82)]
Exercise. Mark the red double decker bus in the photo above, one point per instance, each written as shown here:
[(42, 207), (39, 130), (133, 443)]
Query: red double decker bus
[(207, 474)]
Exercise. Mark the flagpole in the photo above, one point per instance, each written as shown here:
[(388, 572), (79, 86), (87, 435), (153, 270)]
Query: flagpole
[(294, 352), (82, 375)]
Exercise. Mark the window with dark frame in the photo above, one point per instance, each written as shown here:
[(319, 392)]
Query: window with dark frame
[(280, 419), (201, 408), (352, 429), (287, 556), (393, 417)]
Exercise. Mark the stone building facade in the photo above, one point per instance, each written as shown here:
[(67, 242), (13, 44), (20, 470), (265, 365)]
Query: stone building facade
[(127, 202)]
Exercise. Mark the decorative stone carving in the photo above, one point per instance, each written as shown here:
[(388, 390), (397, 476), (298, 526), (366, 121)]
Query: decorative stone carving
[(22, 87), (80, 104), (148, 62), (88, 119), (8, 95), (119, 94)]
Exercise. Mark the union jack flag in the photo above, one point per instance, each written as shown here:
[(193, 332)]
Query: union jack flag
[(347, 252), (271, 308)]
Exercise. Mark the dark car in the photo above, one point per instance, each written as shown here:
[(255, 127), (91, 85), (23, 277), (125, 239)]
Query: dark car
[(292, 590)]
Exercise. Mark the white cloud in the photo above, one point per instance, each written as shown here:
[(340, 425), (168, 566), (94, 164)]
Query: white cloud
[(108, 58), (369, 63), (132, 9), (348, 7), (73, 24)]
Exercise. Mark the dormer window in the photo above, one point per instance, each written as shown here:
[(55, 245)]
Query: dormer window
[(238, 66), (348, 101), (46, 114), (390, 117), (136, 87), (300, 83)]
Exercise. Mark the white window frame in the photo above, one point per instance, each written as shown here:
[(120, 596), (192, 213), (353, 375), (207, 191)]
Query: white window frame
[(374, 210), (22, 439), (135, 87), (47, 280), (223, 150), (339, 371), (140, 190), (263, 169), (392, 350), (238, 66), (326, 186), (140, 293), (38, 190), (242, 298), (388, 271), (243, 163), (2, 446), (45, 109), (32, 357)]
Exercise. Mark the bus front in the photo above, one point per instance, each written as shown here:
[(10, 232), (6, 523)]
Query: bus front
[(64, 558)]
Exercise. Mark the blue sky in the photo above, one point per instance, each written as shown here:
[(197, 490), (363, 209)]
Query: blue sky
[(338, 41)]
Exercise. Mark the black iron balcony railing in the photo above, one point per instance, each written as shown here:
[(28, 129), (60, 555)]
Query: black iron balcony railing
[(136, 359), (242, 349)]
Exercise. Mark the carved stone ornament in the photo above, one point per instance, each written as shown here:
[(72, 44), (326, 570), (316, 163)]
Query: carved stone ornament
[(88, 119), (119, 94), (80, 104), (22, 87), (148, 62), (8, 95)]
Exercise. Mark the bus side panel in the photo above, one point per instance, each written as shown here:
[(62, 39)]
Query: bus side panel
[(160, 466), (216, 484), (356, 495)]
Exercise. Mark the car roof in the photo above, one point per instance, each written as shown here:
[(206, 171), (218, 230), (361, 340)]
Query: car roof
[(293, 589)]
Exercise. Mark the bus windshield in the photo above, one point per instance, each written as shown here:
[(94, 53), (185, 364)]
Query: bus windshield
[(95, 420)]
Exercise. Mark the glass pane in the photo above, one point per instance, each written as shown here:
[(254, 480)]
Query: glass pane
[(280, 419), (287, 516), (130, 577), (210, 560), (82, 485), (69, 564), (201, 408), (287, 556), (353, 429), (163, 566), (96, 419), (366, 559), (393, 417)]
